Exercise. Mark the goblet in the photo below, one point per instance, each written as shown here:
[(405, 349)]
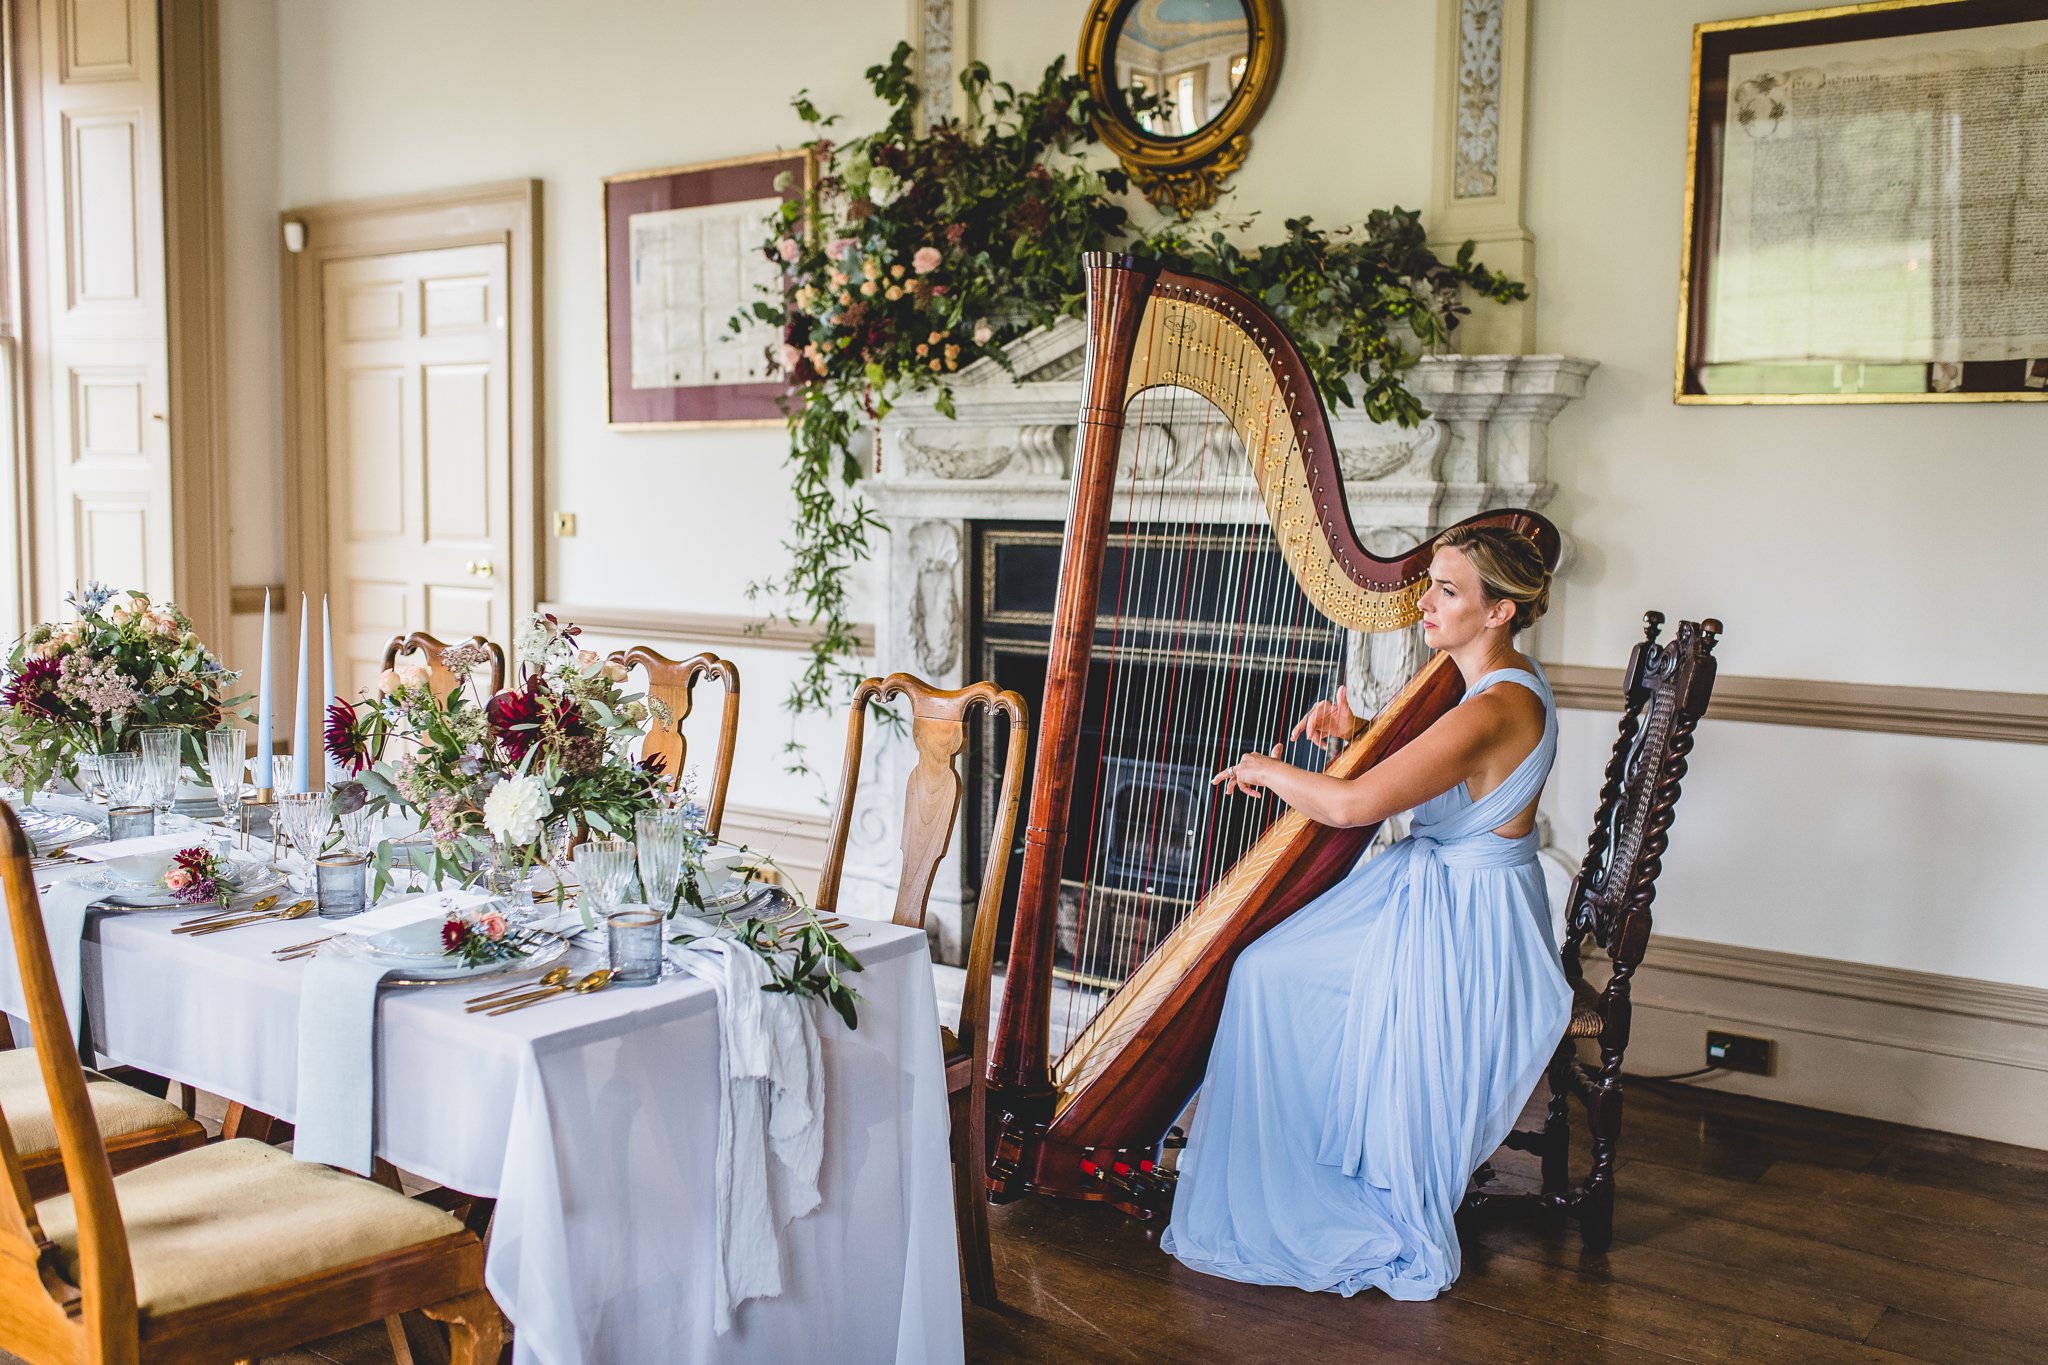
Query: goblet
[(227, 756), (604, 869), (305, 818)]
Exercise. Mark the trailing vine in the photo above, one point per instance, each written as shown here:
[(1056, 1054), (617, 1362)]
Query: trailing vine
[(913, 254)]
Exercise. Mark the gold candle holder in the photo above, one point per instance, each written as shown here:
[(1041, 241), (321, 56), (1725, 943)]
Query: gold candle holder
[(264, 796)]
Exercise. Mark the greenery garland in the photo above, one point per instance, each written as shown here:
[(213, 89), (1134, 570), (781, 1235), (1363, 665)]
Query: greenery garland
[(913, 254)]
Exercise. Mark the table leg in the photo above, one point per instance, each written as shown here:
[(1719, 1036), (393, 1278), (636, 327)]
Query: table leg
[(244, 1122)]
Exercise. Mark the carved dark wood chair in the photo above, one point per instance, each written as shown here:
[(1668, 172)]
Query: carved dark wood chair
[(938, 727), (1665, 692), (443, 679), (673, 684), (227, 1252)]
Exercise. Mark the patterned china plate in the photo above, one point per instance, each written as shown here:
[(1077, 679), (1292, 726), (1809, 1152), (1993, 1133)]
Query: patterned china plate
[(50, 829)]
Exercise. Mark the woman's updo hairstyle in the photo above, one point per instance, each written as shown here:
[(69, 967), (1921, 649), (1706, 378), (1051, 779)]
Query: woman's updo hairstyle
[(1509, 564)]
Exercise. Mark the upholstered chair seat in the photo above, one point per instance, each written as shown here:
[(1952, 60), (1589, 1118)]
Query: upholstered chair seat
[(242, 1216), (137, 1127)]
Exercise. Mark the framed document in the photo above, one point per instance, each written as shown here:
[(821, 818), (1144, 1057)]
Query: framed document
[(1868, 206), (682, 255)]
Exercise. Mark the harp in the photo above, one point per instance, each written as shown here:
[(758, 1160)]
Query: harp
[(1140, 937)]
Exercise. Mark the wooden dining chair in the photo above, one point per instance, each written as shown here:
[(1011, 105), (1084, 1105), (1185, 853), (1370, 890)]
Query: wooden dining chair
[(673, 683), (442, 678), (1665, 691), (931, 800), (225, 1252), (135, 1126)]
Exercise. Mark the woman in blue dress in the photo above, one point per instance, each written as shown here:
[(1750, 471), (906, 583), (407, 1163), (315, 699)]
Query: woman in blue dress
[(1376, 1047)]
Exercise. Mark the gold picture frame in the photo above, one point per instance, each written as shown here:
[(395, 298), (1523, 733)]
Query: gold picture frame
[(1879, 34)]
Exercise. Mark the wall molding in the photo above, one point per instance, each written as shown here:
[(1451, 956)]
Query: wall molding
[(796, 841), (246, 599), (1950, 1053), (1945, 712), (701, 629)]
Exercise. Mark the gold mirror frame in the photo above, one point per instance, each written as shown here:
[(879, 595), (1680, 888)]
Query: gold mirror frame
[(1184, 173)]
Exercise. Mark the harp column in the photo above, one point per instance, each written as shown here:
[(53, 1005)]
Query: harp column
[(1009, 458)]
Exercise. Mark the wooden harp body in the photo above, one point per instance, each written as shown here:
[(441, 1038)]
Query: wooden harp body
[(1090, 1124)]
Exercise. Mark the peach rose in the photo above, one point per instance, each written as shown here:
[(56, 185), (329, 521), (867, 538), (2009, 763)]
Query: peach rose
[(493, 924), (178, 878), (387, 682), (926, 260), (414, 675)]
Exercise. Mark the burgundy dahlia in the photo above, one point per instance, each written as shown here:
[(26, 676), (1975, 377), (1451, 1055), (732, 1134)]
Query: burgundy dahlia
[(29, 689), (520, 716), (346, 743)]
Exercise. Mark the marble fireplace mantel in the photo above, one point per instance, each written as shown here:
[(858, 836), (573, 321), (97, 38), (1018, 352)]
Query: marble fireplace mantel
[(1008, 457)]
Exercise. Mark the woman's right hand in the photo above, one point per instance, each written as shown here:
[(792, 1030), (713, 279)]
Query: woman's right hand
[(1328, 723)]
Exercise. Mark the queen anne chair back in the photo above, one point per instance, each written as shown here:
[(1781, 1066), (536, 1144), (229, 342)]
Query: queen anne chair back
[(671, 689), (442, 678), (931, 801)]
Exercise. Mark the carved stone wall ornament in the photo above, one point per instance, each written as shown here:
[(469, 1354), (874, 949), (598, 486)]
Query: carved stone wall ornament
[(1477, 143), (935, 597)]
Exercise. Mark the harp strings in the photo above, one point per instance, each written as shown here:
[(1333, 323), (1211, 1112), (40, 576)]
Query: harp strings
[(1205, 647)]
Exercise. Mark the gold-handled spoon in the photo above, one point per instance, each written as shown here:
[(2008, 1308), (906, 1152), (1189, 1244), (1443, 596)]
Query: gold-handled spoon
[(504, 994), (596, 981), (296, 910), (257, 907)]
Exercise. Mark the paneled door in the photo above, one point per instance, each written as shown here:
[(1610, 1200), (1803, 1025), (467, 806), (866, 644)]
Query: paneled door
[(415, 375)]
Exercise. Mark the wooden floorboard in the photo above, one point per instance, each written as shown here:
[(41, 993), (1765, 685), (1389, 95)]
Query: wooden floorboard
[(1746, 1231)]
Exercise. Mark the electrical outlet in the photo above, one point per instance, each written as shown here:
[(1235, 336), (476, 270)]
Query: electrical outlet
[(565, 525), (1735, 1052)]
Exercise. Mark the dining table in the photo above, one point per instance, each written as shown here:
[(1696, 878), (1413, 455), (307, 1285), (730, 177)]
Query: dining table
[(593, 1122)]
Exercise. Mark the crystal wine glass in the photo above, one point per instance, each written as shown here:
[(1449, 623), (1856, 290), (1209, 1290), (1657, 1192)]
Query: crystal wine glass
[(604, 868), (661, 838), (227, 757), (126, 778), (305, 818), (160, 756), (359, 828)]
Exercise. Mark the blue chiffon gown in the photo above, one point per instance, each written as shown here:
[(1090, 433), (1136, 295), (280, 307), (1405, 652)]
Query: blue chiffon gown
[(1374, 1049)]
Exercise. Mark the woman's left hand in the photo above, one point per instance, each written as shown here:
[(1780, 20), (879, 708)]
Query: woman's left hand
[(1249, 775)]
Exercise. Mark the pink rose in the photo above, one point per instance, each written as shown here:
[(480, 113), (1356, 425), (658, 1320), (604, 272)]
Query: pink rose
[(585, 658), (926, 260), (414, 675), (838, 247), (178, 878), (387, 682), (983, 332), (787, 248), (493, 925), (790, 355)]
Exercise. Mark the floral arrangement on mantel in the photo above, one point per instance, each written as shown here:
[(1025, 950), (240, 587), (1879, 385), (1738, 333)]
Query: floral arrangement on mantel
[(482, 772), (914, 254), (75, 691)]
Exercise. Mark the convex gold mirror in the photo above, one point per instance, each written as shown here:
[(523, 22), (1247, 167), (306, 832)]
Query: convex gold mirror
[(1178, 84)]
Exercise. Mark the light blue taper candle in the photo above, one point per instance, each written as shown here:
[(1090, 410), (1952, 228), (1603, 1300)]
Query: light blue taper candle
[(302, 767), (265, 746), (335, 772)]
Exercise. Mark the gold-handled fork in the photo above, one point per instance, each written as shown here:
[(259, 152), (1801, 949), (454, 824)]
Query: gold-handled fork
[(596, 981), (505, 994), (296, 910)]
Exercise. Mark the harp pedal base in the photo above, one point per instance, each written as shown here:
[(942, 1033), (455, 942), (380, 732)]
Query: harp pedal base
[(1028, 1161)]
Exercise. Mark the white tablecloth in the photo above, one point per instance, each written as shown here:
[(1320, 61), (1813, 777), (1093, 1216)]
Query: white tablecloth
[(593, 1122)]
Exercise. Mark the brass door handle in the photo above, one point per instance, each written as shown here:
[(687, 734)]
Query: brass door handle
[(478, 568)]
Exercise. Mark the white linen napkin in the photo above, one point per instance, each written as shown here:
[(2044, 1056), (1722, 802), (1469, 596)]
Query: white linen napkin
[(122, 848), (771, 1120), (336, 1115)]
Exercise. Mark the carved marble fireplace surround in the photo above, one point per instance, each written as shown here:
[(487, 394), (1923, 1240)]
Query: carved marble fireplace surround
[(1008, 457)]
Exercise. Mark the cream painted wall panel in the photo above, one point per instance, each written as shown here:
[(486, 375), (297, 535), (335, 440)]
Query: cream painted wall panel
[(98, 39), (1896, 850)]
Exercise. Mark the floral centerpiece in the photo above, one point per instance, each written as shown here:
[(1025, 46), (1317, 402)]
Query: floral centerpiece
[(78, 690), (485, 774)]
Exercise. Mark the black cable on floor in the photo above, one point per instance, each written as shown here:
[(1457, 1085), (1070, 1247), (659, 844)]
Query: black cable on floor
[(1676, 1075)]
